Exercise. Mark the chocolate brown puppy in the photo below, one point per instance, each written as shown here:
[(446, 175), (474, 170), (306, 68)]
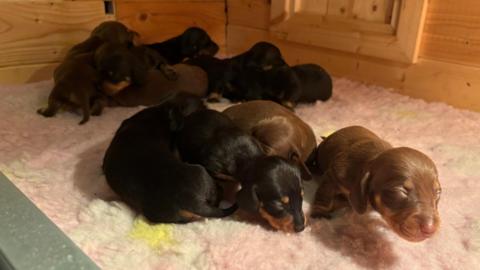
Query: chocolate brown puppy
[(157, 87), (190, 44), (140, 165), (279, 131), (75, 87), (361, 170), (110, 31), (271, 185)]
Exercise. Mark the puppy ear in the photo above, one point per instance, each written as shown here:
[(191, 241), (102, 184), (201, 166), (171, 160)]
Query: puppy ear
[(359, 195), (305, 172), (247, 198)]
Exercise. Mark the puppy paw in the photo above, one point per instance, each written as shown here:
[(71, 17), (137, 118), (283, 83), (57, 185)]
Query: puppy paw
[(45, 112), (84, 120), (319, 215), (214, 97)]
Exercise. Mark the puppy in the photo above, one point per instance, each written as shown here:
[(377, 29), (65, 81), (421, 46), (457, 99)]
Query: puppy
[(315, 83), (361, 170), (141, 167), (75, 87), (110, 31), (261, 56), (271, 185), (190, 44), (279, 131), (157, 87), (120, 66)]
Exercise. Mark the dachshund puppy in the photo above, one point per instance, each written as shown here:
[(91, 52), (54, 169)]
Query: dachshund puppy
[(191, 79), (190, 44), (361, 170), (141, 167), (75, 87), (261, 56), (110, 31), (315, 83), (279, 131), (271, 186), (120, 66)]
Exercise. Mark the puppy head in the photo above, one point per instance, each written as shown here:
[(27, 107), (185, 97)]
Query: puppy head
[(272, 187), (402, 185), (119, 67), (195, 41), (263, 56), (187, 103), (114, 32)]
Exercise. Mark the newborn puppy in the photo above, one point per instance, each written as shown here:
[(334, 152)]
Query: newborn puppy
[(261, 56), (190, 44), (75, 87), (120, 66), (141, 167), (157, 87), (110, 31), (361, 170), (315, 83), (271, 186), (279, 131)]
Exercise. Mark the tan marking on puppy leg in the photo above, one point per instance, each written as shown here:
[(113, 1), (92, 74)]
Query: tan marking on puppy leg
[(285, 199), (189, 215), (283, 224), (113, 88)]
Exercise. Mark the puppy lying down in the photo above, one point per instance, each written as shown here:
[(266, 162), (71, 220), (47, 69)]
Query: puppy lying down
[(278, 129), (141, 167), (271, 185), (157, 87), (364, 172)]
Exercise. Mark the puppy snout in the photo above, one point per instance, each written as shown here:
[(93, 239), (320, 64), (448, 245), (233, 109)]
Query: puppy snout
[(299, 227), (428, 227)]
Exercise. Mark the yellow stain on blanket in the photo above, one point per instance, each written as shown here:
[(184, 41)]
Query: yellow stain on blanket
[(156, 236)]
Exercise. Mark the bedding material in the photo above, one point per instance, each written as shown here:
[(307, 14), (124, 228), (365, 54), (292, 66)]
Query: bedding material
[(57, 164)]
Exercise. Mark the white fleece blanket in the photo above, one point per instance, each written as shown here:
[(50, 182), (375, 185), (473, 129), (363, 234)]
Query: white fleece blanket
[(56, 163)]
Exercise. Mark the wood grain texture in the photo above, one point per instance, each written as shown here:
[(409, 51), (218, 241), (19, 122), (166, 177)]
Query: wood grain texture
[(33, 32), (431, 80), (452, 31), (159, 20), (27, 73)]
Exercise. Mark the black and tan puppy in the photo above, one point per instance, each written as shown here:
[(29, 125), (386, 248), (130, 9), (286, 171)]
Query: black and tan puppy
[(279, 131), (75, 88), (110, 31), (141, 167), (315, 83), (261, 56), (191, 79), (361, 170), (271, 186), (190, 44)]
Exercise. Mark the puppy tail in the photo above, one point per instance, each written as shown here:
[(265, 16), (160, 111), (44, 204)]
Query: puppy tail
[(214, 212)]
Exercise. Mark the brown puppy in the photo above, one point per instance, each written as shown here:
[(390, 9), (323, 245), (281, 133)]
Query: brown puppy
[(278, 129), (157, 87), (75, 87), (362, 170)]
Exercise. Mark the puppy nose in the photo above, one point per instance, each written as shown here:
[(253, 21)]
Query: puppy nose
[(427, 227), (299, 227)]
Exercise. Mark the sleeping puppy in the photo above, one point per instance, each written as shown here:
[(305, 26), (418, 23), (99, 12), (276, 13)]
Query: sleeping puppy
[(315, 83), (361, 170), (141, 167), (157, 87), (279, 131), (271, 185), (110, 31), (75, 87), (190, 44), (120, 66), (261, 56)]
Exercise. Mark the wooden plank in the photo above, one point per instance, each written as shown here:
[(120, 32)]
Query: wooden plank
[(158, 20), (452, 31), (341, 8), (453, 84), (251, 13), (27, 73), (40, 32), (316, 6), (372, 10)]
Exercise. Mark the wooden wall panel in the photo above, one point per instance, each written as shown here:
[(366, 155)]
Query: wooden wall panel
[(34, 32), (452, 31), (160, 20)]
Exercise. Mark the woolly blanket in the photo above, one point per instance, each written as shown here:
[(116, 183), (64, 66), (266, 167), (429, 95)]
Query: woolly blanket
[(57, 164)]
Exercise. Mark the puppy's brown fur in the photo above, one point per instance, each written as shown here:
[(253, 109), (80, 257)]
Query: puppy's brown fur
[(278, 129), (75, 87), (157, 87), (361, 170)]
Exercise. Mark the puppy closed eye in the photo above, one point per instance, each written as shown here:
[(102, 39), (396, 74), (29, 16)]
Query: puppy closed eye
[(395, 197)]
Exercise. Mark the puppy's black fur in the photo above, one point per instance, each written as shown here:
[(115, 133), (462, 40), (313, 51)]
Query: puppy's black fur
[(211, 139), (190, 44), (261, 56), (315, 82), (141, 167)]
